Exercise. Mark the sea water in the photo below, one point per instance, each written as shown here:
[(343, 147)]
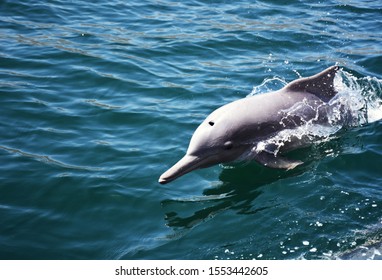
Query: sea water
[(100, 98)]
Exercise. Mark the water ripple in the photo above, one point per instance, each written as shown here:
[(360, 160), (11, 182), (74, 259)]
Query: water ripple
[(49, 160)]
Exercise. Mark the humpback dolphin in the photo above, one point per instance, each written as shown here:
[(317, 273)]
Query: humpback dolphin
[(238, 130)]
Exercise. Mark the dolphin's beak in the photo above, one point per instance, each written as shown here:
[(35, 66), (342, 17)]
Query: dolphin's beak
[(186, 164)]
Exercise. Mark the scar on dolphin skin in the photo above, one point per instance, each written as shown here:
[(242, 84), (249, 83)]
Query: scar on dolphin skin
[(235, 128)]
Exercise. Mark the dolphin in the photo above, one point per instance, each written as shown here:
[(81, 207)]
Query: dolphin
[(240, 129)]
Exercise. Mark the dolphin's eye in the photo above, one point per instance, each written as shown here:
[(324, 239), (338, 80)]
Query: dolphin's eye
[(211, 123), (228, 145)]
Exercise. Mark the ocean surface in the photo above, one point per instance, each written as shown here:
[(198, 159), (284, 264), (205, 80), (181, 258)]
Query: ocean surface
[(99, 98)]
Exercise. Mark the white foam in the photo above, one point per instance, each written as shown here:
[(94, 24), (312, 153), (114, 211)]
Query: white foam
[(375, 114)]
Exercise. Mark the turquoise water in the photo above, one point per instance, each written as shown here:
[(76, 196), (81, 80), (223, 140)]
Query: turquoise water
[(99, 98)]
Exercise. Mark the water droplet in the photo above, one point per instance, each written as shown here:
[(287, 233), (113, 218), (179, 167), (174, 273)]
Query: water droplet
[(328, 254)]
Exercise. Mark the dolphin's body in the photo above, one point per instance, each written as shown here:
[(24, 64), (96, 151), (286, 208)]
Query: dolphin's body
[(234, 130)]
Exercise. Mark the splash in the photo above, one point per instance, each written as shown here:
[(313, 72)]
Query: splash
[(358, 102), (269, 84), (355, 91)]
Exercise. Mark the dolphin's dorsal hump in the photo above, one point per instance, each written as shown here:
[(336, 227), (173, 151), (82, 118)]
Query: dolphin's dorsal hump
[(320, 84)]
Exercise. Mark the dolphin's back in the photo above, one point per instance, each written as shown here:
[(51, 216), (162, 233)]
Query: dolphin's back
[(265, 114)]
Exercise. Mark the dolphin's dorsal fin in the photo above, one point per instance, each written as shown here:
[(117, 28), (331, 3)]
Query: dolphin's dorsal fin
[(320, 84)]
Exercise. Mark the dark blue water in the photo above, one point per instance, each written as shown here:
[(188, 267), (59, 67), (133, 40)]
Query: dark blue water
[(97, 99)]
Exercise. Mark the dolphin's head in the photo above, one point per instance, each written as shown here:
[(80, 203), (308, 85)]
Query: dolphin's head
[(213, 142)]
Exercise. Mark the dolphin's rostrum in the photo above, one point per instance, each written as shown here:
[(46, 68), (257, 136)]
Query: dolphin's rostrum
[(234, 130)]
